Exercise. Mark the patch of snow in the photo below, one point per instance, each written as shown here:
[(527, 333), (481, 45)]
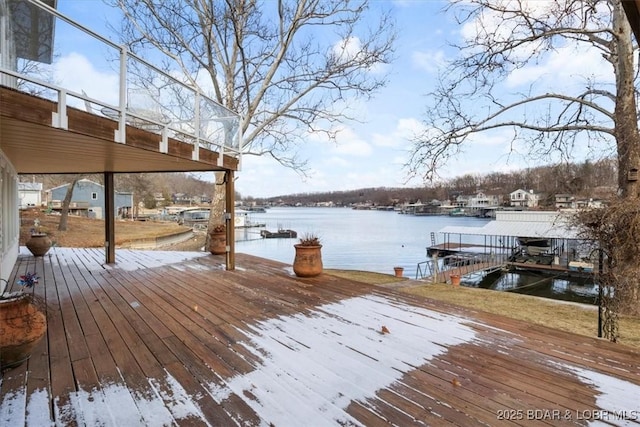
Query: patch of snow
[(164, 403), (618, 402), (180, 404), (315, 365), (38, 409), (12, 408)]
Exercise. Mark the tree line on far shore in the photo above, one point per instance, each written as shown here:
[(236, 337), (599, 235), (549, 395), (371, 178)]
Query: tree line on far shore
[(596, 180)]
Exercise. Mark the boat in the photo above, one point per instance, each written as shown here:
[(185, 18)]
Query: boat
[(581, 266), (243, 220), (280, 234), (535, 246), (198, 218)]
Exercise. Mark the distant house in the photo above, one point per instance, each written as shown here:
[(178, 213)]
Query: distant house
[(564, 201), (524, 199), (30, 194), (88, 200), (588, 203)]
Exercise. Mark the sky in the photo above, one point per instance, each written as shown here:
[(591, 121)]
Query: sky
[(373, 151)]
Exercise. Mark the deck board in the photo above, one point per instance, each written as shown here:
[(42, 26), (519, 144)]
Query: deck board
[(174, 339)]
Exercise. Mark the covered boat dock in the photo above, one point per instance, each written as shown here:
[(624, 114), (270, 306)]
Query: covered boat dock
[(540, 240)]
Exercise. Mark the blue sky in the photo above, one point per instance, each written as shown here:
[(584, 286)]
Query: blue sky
[(367, 154)]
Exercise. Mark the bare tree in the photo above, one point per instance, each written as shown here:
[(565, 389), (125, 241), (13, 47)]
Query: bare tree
[(470, 98), (288, 67), (510, 35), (64, 213)]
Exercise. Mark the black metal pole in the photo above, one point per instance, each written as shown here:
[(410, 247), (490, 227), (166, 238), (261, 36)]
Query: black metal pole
[(600, 262)]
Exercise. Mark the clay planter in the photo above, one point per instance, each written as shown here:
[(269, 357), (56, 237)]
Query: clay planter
[(398, 271), (218, 242), (39, 244), (22, 325), (455, 279), (308, 260)]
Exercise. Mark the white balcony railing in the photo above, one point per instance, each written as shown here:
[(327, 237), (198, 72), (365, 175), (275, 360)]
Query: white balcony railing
[(131, 90)]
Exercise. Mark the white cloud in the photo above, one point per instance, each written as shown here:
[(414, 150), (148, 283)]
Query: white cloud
[(349, 143), (405, 130), (75, 72), (346, 142), (429, 61), (347, 49), (564, 67), (337, 162)]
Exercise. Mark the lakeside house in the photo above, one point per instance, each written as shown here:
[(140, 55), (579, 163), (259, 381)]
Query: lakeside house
[(30, 194), (88, 199), (524, 199)]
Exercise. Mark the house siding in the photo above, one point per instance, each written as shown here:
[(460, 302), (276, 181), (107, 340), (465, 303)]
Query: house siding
[(88, 198), (9, 218)]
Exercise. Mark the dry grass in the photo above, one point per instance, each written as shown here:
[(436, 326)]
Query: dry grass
[(365, 276), (89, 233), (568, 317)]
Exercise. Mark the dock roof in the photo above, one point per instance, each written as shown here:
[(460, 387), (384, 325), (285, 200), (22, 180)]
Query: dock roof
[(552, 225)]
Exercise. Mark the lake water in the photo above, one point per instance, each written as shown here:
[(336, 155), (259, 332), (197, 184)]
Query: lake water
[(377, 241), (351, 239)]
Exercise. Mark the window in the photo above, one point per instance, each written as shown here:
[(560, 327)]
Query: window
[(94, 196)]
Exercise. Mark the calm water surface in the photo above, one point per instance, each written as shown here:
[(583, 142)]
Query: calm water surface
[(380, 240), (351, 239)]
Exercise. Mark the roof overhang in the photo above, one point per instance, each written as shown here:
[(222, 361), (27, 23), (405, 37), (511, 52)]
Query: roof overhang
[(632, 10)]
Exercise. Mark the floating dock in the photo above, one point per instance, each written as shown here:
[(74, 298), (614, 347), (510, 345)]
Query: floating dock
[(280, 234)]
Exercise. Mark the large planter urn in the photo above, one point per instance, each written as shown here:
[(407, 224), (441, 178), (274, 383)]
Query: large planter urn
[(39, 244), (22, 325), (308, 260), (218, 242)]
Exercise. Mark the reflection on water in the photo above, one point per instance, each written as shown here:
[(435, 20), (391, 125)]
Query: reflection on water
[(380, 240), (575, 289)]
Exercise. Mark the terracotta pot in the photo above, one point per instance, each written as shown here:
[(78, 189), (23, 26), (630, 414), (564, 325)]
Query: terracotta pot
[(218, 242), (455, 279), (22, 325), (308, 260), (39, 244), (398, 271)]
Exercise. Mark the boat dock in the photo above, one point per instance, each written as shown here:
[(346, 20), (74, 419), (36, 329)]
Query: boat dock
[(280, 234), (456, 265), (539, 241)]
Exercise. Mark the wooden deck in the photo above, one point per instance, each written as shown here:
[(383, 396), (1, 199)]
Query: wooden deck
[(174, 339)]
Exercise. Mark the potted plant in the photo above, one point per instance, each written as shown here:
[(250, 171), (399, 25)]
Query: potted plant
[(39, 243), (22, 322), (218, 240), (308, 260)]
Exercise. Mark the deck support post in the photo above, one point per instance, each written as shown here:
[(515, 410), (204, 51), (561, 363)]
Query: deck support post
[(230, 219), (109, 218)]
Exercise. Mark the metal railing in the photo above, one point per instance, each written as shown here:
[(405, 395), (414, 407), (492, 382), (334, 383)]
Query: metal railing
[(463, 263), (147, 96)]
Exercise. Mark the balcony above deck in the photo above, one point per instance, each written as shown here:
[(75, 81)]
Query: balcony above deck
[(87, 145)]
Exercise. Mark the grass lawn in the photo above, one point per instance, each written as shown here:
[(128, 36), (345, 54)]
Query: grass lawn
[(89, 233)]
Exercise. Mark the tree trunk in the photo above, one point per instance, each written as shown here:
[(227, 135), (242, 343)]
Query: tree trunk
[(626, 124), (64, 214), (216, 214), (628, 147)]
